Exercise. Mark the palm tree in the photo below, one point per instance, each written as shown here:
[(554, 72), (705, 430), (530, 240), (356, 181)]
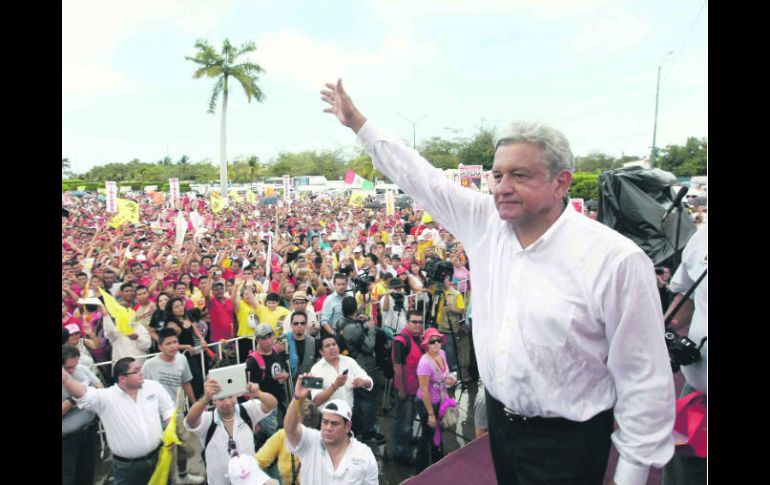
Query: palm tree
[(222, 66)]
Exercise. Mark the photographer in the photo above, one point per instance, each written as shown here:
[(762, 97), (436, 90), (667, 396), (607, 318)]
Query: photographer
[(449, 315), (393, 304), (359, 333)]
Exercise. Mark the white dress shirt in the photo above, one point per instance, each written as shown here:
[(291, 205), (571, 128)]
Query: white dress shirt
[(324, 369), (358, 465), (694, 262), (122, 346), (217, 458), (133, 428), (569, 327)]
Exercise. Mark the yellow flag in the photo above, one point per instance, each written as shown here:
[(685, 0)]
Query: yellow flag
[(357, 198), (128, 211), (389, 204), (217, 202), (119, 313), (235, 196), (421, 248), (250, 197), (165, 458), (81, 188)]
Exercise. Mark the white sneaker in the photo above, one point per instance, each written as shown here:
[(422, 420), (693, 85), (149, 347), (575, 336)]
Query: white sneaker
[(190, 479)]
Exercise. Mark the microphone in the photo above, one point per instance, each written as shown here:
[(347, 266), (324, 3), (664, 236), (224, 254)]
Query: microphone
[(677, 200)]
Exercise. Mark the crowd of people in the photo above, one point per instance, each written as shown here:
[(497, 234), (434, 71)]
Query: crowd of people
[(310, 286)]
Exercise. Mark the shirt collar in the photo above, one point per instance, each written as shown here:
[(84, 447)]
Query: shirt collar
[(567, 215)]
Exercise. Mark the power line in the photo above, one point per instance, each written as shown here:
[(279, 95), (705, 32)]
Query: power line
[(676, 56)]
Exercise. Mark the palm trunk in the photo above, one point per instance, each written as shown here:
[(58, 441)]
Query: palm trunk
[(223, 146)]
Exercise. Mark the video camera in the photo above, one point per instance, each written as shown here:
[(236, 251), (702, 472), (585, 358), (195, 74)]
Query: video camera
[(362, 282), (436, 271)]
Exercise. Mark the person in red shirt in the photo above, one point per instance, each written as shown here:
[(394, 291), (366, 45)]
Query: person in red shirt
[(67, 318), (221, 310)]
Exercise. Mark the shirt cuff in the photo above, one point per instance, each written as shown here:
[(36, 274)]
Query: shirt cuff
[(366, 136), (627, 473)]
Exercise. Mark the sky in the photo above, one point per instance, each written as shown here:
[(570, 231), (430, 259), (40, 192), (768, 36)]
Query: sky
[(586, 67)]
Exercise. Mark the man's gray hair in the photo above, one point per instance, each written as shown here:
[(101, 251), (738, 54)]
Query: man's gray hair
[(556, 150)]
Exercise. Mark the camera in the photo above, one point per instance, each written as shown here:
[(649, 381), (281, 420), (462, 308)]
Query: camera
[(682, 350), (362, 282), (437, 271), (398, 301)]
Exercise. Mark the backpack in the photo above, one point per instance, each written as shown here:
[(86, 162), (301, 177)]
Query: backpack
[(213, 427), (383, 343)]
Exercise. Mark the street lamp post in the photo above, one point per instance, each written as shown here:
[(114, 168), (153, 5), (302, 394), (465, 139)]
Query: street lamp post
[(414, 128), (655, 123)]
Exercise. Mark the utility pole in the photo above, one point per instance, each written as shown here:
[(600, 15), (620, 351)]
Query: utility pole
[(655, 123), (414, 128)]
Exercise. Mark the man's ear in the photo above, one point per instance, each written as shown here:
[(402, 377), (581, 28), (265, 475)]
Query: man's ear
[(563, 181)]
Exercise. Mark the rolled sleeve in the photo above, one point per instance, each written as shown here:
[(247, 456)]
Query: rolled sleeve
[(93, 400), (639, 364)]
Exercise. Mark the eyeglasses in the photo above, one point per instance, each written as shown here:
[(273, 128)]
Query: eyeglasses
[(416, 322), (434, 341), (129, 373), (299, 322)]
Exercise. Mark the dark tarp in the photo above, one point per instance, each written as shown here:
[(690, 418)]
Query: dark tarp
[(633, 201)]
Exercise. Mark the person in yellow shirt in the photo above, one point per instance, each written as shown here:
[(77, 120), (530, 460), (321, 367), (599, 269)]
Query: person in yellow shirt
[(275, 447), (273, 314), (245, 303)]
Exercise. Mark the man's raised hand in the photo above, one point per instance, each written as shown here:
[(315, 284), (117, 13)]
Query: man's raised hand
[(342, 106)]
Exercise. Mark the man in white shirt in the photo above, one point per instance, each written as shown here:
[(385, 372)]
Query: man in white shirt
[(131, 413), (692, 320), (135, 344), (568, 309), (224, 431), (331, 456), (341, 374)]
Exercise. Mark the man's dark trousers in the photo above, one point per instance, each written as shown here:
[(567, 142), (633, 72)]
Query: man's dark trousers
[(78, 456), (548, 450)]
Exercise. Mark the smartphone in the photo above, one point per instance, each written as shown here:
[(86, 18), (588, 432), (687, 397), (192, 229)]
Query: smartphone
[(313, 382), (345, 372)]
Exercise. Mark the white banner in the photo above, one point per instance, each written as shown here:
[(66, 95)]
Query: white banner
[(173, 190), (150, 188), (124, 189), (181, 229), (286, 183), (390, 208), (111, 188)]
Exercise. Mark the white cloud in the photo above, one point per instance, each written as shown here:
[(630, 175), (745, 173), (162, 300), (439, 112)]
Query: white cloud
[(93, 29), (613, 32), (311, 62)]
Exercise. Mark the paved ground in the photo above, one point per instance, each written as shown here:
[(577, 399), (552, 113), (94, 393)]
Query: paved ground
[(392, 473)]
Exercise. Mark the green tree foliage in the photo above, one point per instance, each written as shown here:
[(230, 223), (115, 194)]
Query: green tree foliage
[(479, 149), (585, 185), (685, 161)]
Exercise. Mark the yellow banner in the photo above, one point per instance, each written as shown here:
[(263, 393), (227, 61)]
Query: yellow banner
[(217, 202), (235, 196), (390, 205), (81, 188), (250, 197), (128, 211), (357, 198), (270, 191), (119, 313)]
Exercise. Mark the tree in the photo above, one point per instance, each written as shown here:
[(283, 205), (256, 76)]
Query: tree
[(596, 162), (183, 160), (685, 161), (223, 66), (479, 150), (66, 165)]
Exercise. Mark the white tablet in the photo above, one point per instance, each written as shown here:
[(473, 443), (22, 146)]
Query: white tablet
[(232, 379)]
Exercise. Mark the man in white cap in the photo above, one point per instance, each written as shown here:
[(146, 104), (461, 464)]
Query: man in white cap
[(332, 455)]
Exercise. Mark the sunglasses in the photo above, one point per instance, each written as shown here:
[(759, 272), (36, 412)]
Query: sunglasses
[(434, 341), (300, 322), (416, 322)]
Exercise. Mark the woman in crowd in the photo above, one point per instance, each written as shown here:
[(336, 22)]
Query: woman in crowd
[(434, 377), (416, 282), (179, 319)]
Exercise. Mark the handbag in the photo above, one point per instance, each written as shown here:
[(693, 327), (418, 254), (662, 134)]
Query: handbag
[(447, 408), (690, 426)]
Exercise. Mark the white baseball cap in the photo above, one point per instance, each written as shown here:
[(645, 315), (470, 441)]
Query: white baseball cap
[(338, 407), (244, 470)]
